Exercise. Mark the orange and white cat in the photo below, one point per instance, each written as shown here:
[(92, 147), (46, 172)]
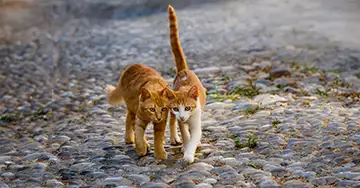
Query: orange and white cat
[(145, 94), (188, 98)]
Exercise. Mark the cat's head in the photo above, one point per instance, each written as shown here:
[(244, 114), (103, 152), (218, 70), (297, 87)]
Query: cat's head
[(184, 103), (154, 106)]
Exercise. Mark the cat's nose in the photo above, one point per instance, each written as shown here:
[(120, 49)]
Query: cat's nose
[(182, 118), (159, 119)]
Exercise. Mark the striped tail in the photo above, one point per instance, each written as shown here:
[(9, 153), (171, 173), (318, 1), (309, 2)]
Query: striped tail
[(176, 49)]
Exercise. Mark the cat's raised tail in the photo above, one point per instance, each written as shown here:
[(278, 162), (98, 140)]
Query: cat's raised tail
[(176, 49), (113, 95)]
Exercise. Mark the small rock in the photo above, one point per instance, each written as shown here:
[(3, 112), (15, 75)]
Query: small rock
[(8, 175), (154, 185), (221, 169), (199, 166), (59, 139), (268, 99), (262, 65), (245, 107), (203, 185), (297, 184), (277, 73), (209, 181), (3, 185), (185, 184), (207, 70), (219, 105), (117, 181), (35, 156), (349, 175), (230, 177), (54, 183), (265, 128), (138, 178), (247, 67), (229, 144)]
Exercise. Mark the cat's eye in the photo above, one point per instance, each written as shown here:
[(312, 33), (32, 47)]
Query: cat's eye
[(163, 109), (187, 108), (152, 109), (176, 109)]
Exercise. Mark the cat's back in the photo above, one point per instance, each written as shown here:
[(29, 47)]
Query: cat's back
[(137, 73), (139, 70)]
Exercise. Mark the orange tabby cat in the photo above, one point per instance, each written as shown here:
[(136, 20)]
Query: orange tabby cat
[(145, 94), (188, 99)]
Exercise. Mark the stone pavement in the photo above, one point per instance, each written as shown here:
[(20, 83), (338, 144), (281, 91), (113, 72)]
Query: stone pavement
[(276, 117)]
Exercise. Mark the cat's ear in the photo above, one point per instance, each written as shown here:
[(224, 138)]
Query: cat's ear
[(168, 93), (144, 94), (194, 92)]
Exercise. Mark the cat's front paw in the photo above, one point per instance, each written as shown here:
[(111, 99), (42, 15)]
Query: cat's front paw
[(189, 158), (162, 155), (175, 141), (142, 149)]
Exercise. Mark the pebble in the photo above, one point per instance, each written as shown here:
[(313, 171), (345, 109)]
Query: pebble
[(154, 185), (54, 183), (277, 73), (204, 185), (209, 181), (8, 175), (245, 107), (59, 139), (219, 105), (349, 175), (138, 178), (117, 181), (268, 99)]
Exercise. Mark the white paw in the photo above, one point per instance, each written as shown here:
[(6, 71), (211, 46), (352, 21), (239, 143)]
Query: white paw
[(188, 158)]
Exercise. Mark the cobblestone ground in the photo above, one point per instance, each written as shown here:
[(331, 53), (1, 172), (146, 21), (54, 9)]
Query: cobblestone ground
[(275, 117)]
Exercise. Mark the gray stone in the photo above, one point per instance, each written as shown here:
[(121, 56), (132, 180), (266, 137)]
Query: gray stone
[(262, 64), (219, 170), (349, 175), (328, 180), (3, 185), (230, 177), (138, 178), (117, 181), (154, 185), (268, 99), (54, 183), (219, 105), (61, 139), (265, 128), (297, 184), (35, 156), (245, 107), (8, 175), (185, 184), (277, 73), (209, 181), (200, 166), (204, 185)]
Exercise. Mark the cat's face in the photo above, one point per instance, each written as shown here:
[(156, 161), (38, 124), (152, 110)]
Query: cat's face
[(183, 103), (154, 105)]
